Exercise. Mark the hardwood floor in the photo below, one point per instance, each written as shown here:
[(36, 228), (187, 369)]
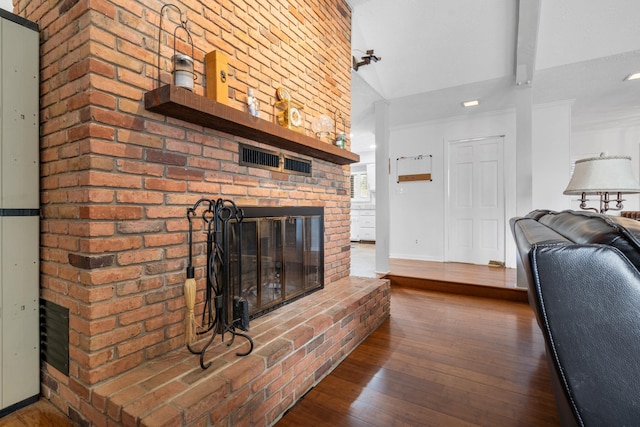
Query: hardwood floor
[(40, 414), (457, 278), (454, 272), (451, 277), (440, 360)]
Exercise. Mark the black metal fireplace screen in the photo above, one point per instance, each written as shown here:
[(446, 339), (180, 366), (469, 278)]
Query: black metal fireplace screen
[(258, 259)]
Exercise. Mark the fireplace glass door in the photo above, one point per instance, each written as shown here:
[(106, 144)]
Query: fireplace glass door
[(270, 277), (281, 258)]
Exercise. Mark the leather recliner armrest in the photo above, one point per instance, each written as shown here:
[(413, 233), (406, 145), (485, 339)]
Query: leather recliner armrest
[(589, 298)]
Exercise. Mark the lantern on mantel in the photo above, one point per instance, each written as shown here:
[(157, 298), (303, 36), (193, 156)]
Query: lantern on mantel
[(183, 75), (183, 71)]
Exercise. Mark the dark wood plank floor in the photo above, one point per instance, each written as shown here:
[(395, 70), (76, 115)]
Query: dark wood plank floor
[(440, 360), (39, 414), (454, 272), (457, 278)]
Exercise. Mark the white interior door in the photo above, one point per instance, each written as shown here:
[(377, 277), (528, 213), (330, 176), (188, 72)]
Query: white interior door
[(476, 212)]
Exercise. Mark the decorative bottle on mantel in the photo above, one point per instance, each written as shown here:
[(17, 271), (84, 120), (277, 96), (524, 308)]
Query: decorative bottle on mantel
[(341, 137)]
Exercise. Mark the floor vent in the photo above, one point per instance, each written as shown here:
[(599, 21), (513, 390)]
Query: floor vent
[(267, 159), (54, 335)]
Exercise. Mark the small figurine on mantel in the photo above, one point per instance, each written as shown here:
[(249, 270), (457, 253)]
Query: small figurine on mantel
[(252, 104)]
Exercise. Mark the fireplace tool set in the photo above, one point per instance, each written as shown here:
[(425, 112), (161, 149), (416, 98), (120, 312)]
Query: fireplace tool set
[(222, 312)]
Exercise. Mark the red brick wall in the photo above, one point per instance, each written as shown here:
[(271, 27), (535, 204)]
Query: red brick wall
[(116, 179)]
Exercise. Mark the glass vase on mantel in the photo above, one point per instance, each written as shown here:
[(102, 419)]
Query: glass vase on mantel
[(322, 125)]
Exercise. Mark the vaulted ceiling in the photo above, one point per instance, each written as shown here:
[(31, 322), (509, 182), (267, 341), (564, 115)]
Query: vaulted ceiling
[(438, 53)]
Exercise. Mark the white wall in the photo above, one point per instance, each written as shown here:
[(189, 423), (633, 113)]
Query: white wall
[(551, 156), (418, 220), (366, 157), (417, 208)]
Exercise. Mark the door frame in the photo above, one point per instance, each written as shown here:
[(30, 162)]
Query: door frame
[(447, 192)]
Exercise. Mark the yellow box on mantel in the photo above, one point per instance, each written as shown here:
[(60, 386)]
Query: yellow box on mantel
[(216, 68)]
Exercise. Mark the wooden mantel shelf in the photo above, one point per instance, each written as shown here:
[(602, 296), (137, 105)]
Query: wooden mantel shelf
[(182, 104)]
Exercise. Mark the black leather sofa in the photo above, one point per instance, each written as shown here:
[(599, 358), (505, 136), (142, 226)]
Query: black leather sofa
[(582, 273)]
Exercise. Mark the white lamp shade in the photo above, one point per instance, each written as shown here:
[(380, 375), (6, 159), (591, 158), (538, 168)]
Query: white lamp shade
[(604, 174)]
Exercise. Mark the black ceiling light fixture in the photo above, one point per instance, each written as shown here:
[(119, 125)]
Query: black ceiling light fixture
[(366, 60)]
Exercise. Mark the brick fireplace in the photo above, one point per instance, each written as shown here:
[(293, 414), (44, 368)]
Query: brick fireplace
[(117, 177)]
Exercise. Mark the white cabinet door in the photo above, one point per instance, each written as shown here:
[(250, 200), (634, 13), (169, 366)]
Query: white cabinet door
[(19, 220), (368, 222), (19, 289), (355, 227), (368, 225), (371, 176), (368, 234)]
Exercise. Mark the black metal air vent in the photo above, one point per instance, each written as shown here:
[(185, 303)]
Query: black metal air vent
[(266, 159), (54, 335), (298, 166), (259, 158)]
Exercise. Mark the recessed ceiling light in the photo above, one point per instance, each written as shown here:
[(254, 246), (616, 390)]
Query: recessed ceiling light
[(472, 103), (633, 76), (373, 146)]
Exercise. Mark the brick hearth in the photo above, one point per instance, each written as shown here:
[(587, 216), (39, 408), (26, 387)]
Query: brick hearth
[(296, 346)]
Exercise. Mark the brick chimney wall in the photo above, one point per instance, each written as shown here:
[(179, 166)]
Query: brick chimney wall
[(116, 179)]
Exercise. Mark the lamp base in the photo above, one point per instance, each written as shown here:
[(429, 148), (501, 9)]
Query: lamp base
[(605, 200)]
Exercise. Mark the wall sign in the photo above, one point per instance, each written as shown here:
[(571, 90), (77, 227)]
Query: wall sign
[(415, 168)]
